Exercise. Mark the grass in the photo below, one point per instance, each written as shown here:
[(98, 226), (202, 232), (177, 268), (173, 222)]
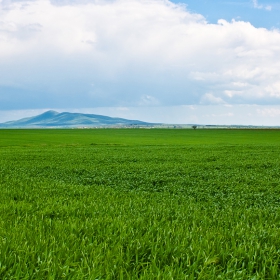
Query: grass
[(139, 204)]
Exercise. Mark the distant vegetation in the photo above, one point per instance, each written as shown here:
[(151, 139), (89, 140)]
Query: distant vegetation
[(139, 204)]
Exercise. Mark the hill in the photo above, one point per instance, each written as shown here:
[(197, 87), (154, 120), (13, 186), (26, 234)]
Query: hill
[(54, 119)]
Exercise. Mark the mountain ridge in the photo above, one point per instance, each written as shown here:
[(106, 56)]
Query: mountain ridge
[(55, 119)]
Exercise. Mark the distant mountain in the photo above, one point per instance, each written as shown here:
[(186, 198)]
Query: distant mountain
[(54, 119)]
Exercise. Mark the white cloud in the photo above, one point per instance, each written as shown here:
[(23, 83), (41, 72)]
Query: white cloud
[(273, 89), (269, 112), (257, 6), (219, 115), (148, 100), (209, 98), (131, 53)]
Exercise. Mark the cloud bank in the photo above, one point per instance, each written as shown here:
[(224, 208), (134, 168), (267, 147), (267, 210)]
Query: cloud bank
[(60, 54)]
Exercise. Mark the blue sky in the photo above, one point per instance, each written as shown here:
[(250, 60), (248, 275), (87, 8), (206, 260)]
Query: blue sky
[(260, 13), (210, 62)]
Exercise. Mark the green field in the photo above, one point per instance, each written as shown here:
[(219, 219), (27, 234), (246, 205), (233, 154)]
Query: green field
[(140, 204)]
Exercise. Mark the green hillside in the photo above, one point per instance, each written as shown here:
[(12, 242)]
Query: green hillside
[(65, 119)]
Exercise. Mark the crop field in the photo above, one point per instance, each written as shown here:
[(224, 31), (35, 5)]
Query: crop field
[(139, 204)]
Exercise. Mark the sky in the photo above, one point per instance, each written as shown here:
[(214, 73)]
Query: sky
[(204, 62)]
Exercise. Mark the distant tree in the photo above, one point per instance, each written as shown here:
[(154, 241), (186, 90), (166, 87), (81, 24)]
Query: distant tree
[(194, 126)]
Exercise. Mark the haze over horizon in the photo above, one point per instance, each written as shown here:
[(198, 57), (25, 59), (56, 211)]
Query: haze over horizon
[(182, 61)]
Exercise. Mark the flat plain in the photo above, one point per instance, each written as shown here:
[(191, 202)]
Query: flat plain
[(139, 204)]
